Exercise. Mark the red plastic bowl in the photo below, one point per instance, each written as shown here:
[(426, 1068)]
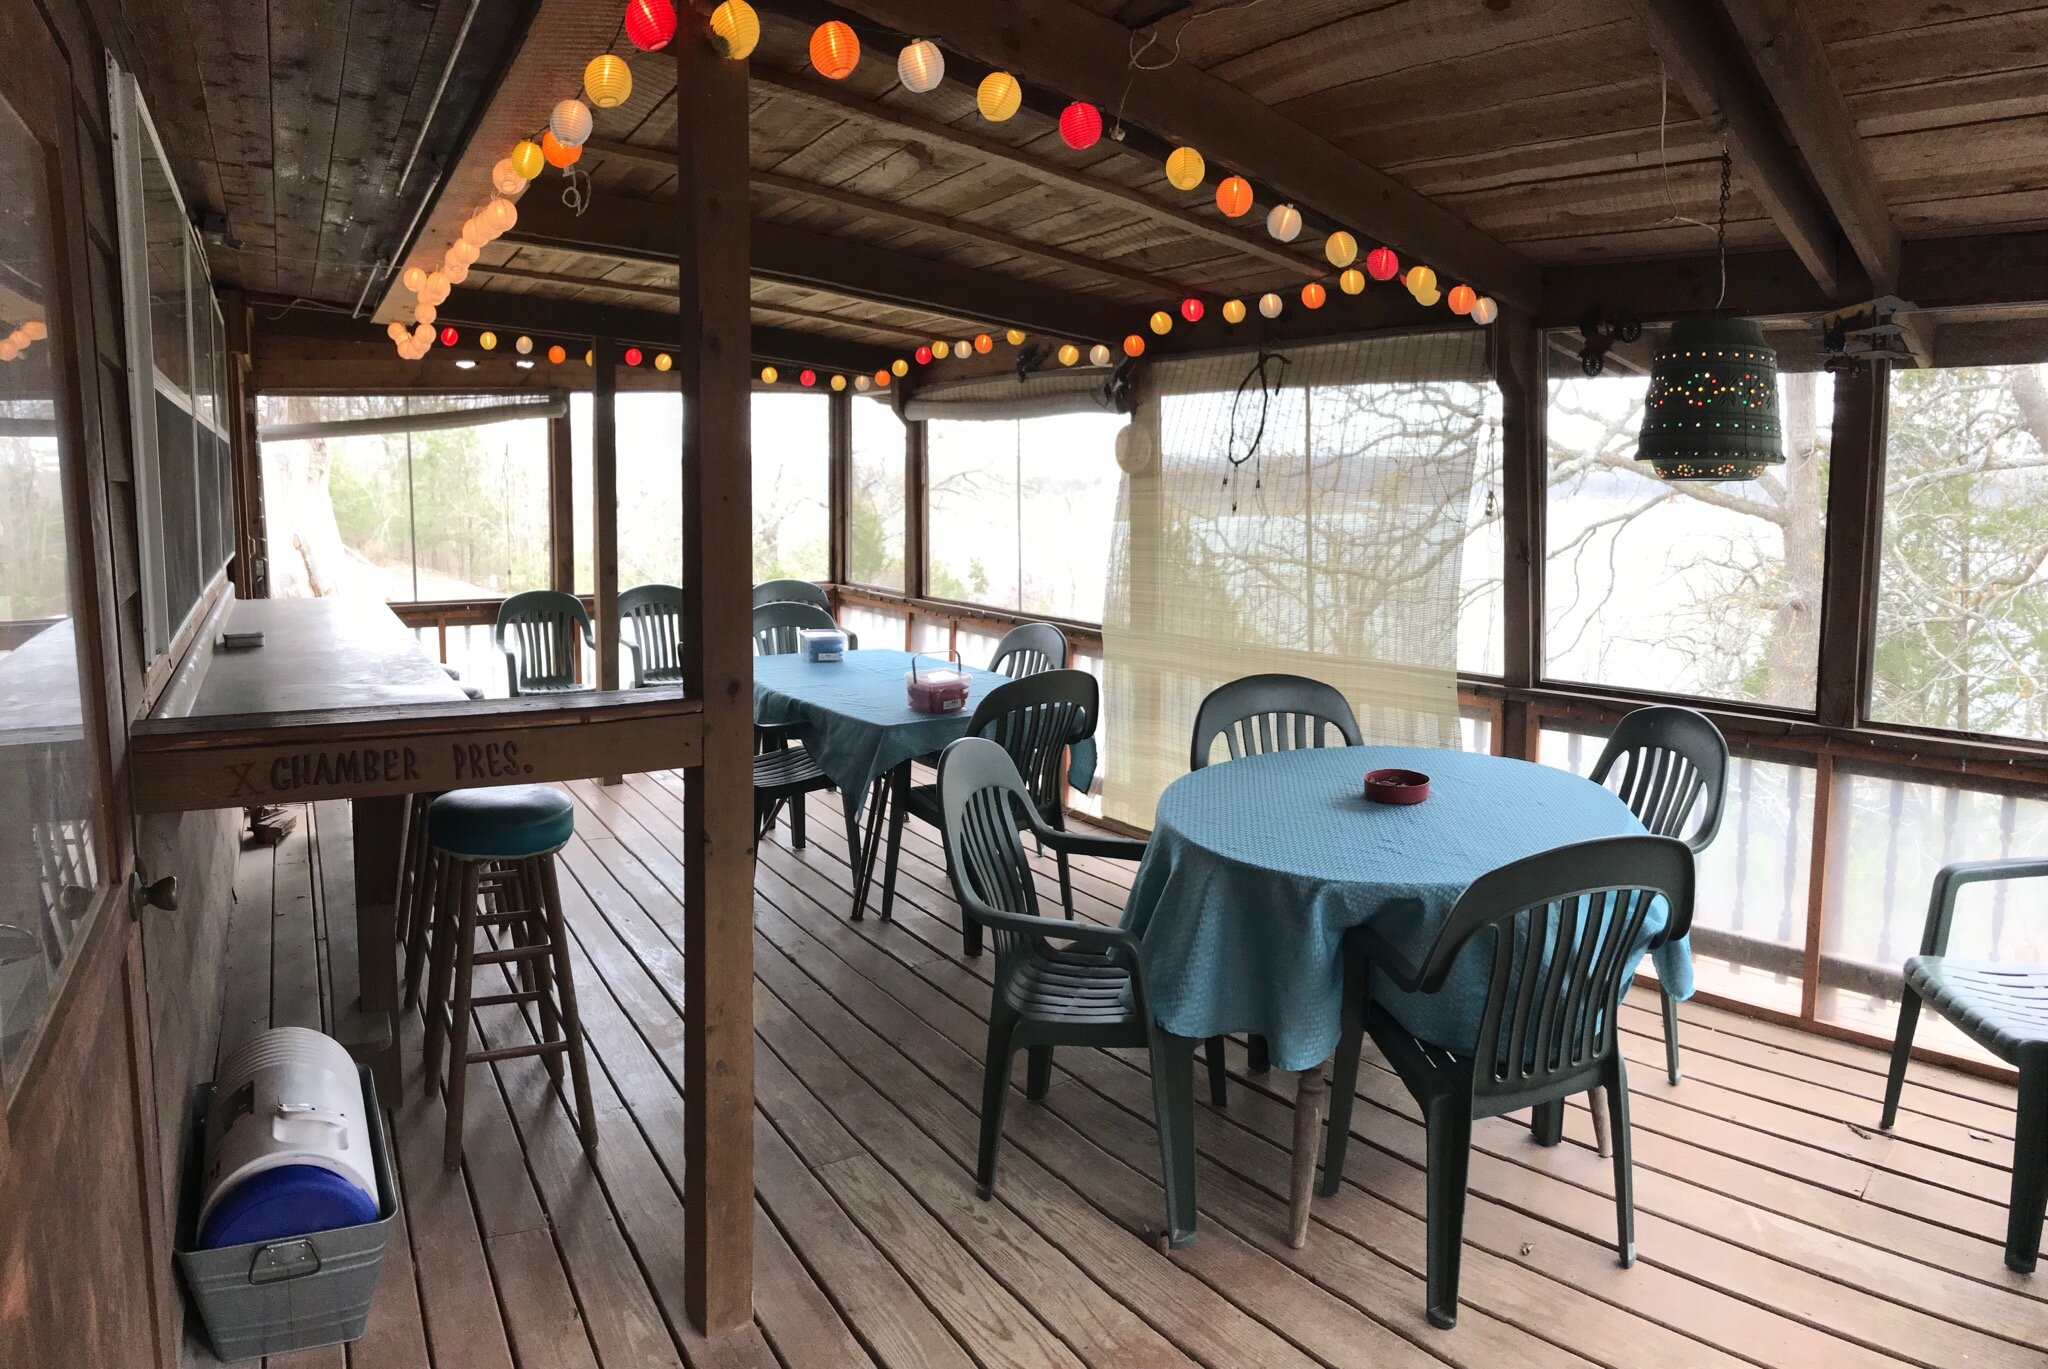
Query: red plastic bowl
[(1396, 786)]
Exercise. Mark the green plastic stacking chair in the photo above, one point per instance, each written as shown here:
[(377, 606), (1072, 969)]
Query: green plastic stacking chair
[(651, 631), (1057, 983), (1252, 716), (1028, 649), (537, 631), (1558, 930), (790, 592)]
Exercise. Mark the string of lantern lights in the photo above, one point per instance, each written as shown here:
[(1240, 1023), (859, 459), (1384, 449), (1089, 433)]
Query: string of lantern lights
[(835, 54)]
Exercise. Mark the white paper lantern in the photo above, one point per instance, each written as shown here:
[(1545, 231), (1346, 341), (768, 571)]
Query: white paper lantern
[(570, 123), (1270, 305), (921, 66), (1283, 223)]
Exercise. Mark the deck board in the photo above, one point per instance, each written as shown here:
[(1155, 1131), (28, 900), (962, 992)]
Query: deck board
[(1776, 1225)]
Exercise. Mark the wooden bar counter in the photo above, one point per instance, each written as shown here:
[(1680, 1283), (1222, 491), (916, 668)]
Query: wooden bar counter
[(340, 702)]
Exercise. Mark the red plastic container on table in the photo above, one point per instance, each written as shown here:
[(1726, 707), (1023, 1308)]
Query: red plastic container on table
[(940, 690)]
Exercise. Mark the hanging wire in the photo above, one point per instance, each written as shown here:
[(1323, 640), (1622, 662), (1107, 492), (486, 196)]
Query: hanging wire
[(1269, 385), (1143, 42)]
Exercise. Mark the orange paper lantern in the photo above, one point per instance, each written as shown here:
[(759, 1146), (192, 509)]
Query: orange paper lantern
[(558, 354), (1461, 299), (557, 152), (1234, 196), (1313, 295), (835, 50), (1134, 346)]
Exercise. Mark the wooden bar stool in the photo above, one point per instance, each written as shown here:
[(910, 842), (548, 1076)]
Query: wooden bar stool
[(493, 857)]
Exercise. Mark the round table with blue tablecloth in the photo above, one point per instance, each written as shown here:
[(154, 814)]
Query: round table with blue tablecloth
[(1257, 868)]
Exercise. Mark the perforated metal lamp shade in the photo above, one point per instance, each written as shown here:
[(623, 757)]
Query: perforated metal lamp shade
[(1712, 412)]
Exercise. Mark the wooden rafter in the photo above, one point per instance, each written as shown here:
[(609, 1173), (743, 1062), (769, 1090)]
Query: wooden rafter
[(1039, 169), (608, 149), (1793, 63), (1715, 81), (559, 317), (639, 230), (1082, 54), (666, 294)]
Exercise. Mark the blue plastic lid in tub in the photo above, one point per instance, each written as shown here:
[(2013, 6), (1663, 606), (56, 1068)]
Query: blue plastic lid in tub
[(291, 1200)]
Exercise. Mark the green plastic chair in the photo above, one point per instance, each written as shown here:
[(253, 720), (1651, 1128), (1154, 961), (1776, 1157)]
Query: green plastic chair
[(1028, 649), (2003, 1008), (1252, 716), (1057, 983), (537, 631), (1670, 766), (1562, 925), (791, 592), (777, 623), (654, 613)]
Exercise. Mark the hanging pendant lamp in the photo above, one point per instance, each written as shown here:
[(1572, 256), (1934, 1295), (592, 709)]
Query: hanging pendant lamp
[(1712, 412)]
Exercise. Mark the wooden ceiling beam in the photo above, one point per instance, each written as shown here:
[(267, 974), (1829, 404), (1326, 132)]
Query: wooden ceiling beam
[(1066, 178), (667, 294), (639, 230), (1086, 56), (1789, 56), (609, 149), (535, 314), (1705, 65)]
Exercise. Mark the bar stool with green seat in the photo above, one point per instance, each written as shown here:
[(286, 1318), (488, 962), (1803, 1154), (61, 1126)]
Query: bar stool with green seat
[(494, 855)]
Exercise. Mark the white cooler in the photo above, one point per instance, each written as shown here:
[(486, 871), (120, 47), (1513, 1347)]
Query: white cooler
[(289, 1096)]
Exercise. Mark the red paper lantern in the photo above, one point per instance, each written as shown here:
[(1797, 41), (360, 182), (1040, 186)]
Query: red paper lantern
[(1382, 264), (807, 377), (449, 337), (924, 356), (1080, 125), (1191, 309), (650, 23), (632, 356)]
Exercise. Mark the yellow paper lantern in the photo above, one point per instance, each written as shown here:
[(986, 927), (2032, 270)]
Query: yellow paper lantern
[(487, 340), (1429, 298), (1484, 311), (983, 343), (1283, 223), (1098, 355), (1233, 311), (414, 279), (570, 122), (899, 367), (1161, 322), (921, 66), (1313, 295), (1185, 168), (769, 375), (608, 81), (526, 158), (1352, 282), (735, 30), (590, 357), (1234, 196), (838, 382), (835, 49), (1420, 281), (663, 361), (999, 96), (942, 349), (1340, 249), (1015, 337), (1134, 346), (1069, 354), (1270, 305), (557, 354)]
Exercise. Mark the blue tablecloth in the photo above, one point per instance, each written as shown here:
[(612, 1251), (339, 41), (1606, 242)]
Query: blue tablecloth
[(854, 715), (1258, 867)]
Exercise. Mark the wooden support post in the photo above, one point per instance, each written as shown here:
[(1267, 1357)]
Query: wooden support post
[(604, 492), (839, 484), (1525, 462), (1855, 514), (712, 250), (916, 512), (561, 501), (245, 456)]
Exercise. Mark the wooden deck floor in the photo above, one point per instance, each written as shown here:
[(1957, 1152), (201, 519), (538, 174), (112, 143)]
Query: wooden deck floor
[(1776, 1226)]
